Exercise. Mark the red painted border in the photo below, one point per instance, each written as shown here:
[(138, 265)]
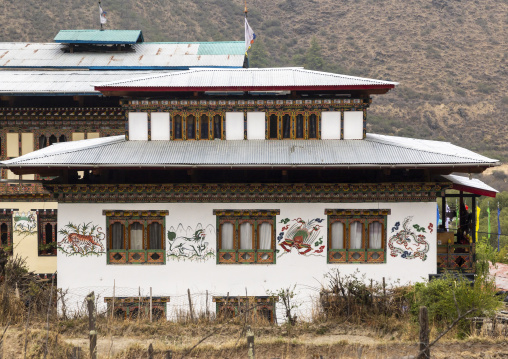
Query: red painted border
[(473, 190)]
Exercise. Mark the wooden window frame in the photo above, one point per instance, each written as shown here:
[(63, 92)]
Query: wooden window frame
[(358, 256), (6, 218), (187, 115), (173, 127), (221, 122), (146, 255), (254, 306), (44, 218), (255, 254), (200, 122)]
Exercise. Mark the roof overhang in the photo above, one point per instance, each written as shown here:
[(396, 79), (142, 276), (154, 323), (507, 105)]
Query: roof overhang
[(474, 186)]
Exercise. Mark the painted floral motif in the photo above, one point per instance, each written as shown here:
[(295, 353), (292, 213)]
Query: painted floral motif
[(430, 227), (82, 239), (407, 243), (304, 236), (25, 223), (396, 227), (190, 244)]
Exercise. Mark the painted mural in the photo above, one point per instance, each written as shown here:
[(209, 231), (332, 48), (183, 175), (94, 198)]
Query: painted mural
[(82, 239), (409, 242), (25, 224), (302, 236), (190, 244)]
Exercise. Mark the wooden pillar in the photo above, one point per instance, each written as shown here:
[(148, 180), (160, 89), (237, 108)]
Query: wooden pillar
[(424, 350), (91, 325), (473, 230)]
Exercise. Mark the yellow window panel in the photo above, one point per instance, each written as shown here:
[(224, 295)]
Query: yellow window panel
[(27, 143), (92, 135), (12, 145), (77, 136)]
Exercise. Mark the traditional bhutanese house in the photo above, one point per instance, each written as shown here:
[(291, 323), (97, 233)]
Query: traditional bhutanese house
[(258, 178), (47, 96)]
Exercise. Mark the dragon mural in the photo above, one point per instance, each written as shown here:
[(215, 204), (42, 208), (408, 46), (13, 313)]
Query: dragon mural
[(190, 244), (25, 223), (409, 243), (304, 236), (82, 239)]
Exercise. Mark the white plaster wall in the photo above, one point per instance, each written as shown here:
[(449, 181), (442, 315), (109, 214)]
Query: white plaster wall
[(353, 125), (160, 126), (234, 126), (255, 125), (138, 126), (330, 125), (81, 274)]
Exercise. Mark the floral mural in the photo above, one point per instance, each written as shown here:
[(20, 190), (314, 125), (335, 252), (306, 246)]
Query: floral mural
[(190, 243), (303, 236), (409, 242), (82, 239), (25, 223)]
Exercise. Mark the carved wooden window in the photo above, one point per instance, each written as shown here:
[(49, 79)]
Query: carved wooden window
[(190, 125), (246, 236), (273, 127), (286, 126), (177, 127), (62, 138), (204, 123), (135, 237), (6, 230), (217, 127), (313, 126), (133, 307), (299, 126), (47, 231), (357, 236), (259, 307)]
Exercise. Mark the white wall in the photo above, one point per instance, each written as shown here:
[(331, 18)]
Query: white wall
[(234, 125), (160, 126), (255, 125), (138, 126), (353, 125), (175, 277), (330, 125)]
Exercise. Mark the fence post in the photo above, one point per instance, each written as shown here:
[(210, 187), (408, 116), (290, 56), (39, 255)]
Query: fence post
[(113, 305), (424, 334), (76, 353), (190, 305), (168, 355), (150, 304), (207, 309), (91, 325), (150, 351), (250, 343)]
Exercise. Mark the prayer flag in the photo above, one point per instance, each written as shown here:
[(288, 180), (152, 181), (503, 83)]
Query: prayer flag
[(102, 15), (477, 221), (488, 221), (250, 36), (498, 227)]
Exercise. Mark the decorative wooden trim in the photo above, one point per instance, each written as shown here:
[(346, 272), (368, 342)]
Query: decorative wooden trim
[(357, 212), (269, 256), (337, 256), (127, 213), (351, 253), (247, 212), (122, 256), (246, 256), (371, 254), (155, 300), (244, 193)]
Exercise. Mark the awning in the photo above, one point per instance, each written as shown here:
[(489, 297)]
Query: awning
[(475, 186)]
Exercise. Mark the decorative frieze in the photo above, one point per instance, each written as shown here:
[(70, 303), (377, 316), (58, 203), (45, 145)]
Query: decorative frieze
[(357, 212), (248, 193)]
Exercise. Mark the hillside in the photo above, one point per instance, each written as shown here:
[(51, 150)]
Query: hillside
[(449, 56)]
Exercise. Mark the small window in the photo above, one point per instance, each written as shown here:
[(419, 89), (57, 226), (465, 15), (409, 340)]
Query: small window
[(262, 307), (62, 139), (177, 127), (313, 126), (4, 234), (273, 135), (286, 126), (204, 127), (47, 232), (299, 126), (357, 236), (217, 127), (191, 127), (6, 231), (42, 141), (248, 237), (52, 139), (135, 237)]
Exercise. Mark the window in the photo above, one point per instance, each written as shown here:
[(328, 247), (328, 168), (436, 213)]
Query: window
[(47, 231), (6, 230), (190, 126), (313, 126), (203, 133), (62, 139), (135, 237), (357, 235), (132, 307), (273, 127), (217, 127), (246, 236), (286, 126), (177, 127), (299, 126), (254, 307)]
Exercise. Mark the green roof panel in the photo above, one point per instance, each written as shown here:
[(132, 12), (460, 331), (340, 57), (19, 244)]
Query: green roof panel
[(222, 48), (99, 37)]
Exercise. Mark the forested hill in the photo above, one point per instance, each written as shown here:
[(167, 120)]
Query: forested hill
[(449, 56)]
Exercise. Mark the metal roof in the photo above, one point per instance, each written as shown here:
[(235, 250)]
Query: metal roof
[(99, 36), (472, 185), (144, 56), (64, 83), (374, 151), (252, 78)]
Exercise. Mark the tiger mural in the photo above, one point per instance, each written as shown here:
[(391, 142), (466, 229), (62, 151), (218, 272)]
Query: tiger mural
[(84, 239)]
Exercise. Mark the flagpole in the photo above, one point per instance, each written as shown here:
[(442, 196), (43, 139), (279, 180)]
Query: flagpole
[(100, 7), (498, 227)]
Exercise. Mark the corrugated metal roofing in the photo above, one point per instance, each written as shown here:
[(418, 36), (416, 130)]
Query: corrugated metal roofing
[(145, 56), (375, 150), (60, 82), (471, 183), (247, 78), (99, 37)]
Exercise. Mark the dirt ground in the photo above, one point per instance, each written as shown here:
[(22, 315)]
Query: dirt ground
[(334, 343)]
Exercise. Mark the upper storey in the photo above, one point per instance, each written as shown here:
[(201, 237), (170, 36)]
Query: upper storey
[(246, 104)]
